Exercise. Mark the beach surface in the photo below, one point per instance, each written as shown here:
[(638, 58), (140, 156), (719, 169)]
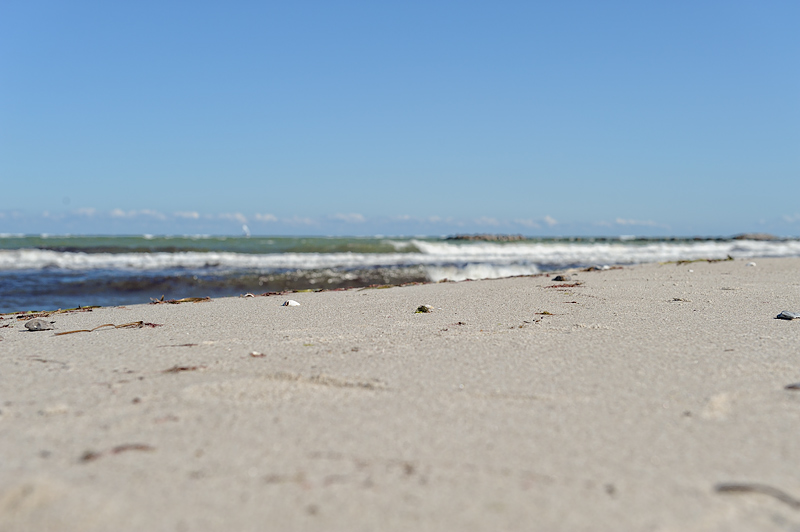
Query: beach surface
[(643, 398)]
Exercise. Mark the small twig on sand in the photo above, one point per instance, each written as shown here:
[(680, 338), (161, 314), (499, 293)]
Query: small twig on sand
[(781, 495), (132, 325)]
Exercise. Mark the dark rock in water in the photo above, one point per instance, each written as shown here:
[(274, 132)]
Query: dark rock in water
[(786, 315), (38, 325), (562, 278), (488, 238), (755, 236)]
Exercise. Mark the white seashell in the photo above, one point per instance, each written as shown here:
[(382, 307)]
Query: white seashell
[(750, 264), (290, 303)]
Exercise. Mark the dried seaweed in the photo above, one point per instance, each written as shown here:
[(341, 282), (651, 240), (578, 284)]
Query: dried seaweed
[(29, 315), (178, 345), (680, 262), (90, 456), (177, 301), (178, 369)]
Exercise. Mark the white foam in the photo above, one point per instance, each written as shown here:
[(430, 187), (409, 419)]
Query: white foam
[(558, 253), (477, 271)]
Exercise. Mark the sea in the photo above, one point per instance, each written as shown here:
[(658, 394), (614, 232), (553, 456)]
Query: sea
[(45, 272)]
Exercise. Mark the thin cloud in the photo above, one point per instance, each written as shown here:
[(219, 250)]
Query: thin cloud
[(142, 213), (298, 220), (486, 220), (266, 217), (349, 218), (527, 222), (192, 215), (791, 218), (89, 212), (233, 216), (644, 223), (550, 221), (422, 219)]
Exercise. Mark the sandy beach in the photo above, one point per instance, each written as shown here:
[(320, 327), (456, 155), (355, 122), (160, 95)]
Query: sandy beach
[(618, 400)]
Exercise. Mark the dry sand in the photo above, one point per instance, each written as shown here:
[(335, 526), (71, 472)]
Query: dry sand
[(621, 409)]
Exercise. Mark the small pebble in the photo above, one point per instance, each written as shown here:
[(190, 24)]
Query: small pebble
[(38, 325), (424, 309), (562, 278), (290, 303)]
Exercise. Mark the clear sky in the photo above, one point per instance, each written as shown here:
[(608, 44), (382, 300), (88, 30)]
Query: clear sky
[(413, 117)]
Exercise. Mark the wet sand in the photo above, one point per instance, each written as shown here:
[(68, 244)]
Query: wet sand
[(618, 403)]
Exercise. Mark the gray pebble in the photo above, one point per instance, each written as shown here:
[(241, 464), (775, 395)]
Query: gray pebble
[(562, 278), (786, 315), (38, 325)]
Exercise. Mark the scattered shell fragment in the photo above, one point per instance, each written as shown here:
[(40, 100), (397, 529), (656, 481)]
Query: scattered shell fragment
[(38, 325), (248, 294), (290, 303), (786, 315), (562, 278), (750, 264), (256, 354), (423, 309)]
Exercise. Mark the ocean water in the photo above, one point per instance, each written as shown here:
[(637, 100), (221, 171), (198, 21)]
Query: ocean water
[(49, 272)]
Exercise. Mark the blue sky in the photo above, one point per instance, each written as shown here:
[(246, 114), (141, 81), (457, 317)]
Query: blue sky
[(541, 118)]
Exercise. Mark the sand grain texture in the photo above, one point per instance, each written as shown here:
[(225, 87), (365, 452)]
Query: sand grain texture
[(616, 404)]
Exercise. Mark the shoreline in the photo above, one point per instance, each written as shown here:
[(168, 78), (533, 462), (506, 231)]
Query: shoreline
[(87, 271), (619, 399)]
